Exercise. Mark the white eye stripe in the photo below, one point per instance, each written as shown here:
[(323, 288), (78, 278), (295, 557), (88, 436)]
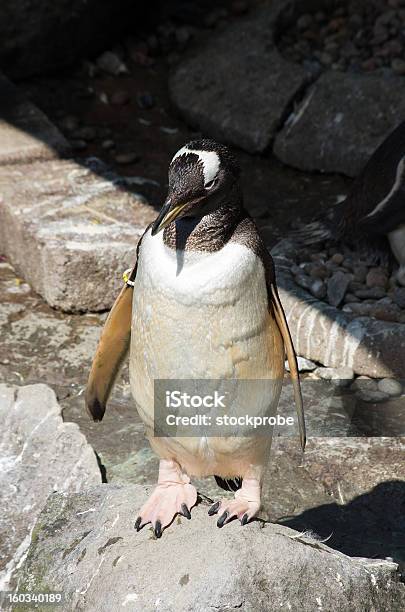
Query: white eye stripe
[(210, 161)]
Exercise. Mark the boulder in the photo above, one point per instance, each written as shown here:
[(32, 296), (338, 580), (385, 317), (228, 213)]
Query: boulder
[(85, 546), (340, 122), (237, 87), (39, 454), (70, 230), (26, 134)]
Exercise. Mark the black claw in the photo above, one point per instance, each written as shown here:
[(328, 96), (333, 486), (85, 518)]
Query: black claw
[(214, 508), (138, 523), (158, 529), (185, 511), (222, 519), (245, 519)]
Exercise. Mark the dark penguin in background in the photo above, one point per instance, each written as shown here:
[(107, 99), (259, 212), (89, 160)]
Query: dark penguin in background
[(372, 217), (201, 303)]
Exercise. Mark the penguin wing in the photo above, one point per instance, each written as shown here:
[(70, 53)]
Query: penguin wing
[(292, 360), (112, 348)]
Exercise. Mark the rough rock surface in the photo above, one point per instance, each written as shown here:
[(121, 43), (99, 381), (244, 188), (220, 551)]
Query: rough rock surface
[(342, 119), (70, 230), (39, 454), (239, 97), (26, 134), (85, 545), (334, 338)]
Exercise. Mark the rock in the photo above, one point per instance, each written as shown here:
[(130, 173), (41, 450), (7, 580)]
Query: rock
[(364, 383), (318, 289), (375, 293), (110, 62), (70, 230), (39, 455), (234, 97), (376, 277), (372, 397), (341, 121), (303, 280), (304, 365), (398, 296), (337, 258), (86, 132), (385, 312), (127, 158), (120, 97), (26, 134), (343, 375), (360, 308), (319, 271), (390, 386), (350, 298), (360, 273), (337, 287), (244, 567), (398, 66), (108, 144), (40, 37)]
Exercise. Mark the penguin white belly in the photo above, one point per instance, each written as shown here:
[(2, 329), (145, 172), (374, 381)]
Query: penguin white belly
[(203, 316), (397, 242)]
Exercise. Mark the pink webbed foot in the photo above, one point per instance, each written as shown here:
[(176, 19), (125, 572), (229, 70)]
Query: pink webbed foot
[(173, 495), (245, 506)]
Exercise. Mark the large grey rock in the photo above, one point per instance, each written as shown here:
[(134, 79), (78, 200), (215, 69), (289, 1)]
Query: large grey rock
[(335, 338), (26, 134), (40, 36), (39, 454), (237, 87), (85, 545), (70, 230), (341, 121)]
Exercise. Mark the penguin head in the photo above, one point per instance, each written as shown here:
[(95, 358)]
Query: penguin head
[(202, 175)]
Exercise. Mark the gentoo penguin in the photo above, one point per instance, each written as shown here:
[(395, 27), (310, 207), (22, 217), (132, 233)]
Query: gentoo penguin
[(200, 303), (372, 217)]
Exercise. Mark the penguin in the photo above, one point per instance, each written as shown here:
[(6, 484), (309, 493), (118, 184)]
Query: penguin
[(200, 303), (371, 219)]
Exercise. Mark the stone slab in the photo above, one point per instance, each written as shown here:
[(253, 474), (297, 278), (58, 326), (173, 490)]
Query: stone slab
[(239, 96), (26, 134), (334, 338), (70, 230), (39, 455), (86, 546), (340, 122)]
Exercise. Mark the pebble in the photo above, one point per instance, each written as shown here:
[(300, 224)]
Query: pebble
[(303, 281), (364, 383), (112, 64), (318, 289), (372, 397), (337, 258), (398, 296), (376, 277), (390, 386), (304, 365), (385, 312), (108, 144), (126, 158), (350, 298), (70, 123), (319, 271), (370, 294), (337, 287), (120, 97), (87, 133), (360, 273), (145, 100), (342, 375), (398, 66)]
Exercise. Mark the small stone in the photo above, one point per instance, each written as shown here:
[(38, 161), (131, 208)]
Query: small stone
[(398, 296), (376, 277), (350, 298), (361, 309), (304, 365), (390, 386), (364, 383), (360, 273), (87, 133), (318, 289), (111, 63), (304, 22), (303, 281), (120, 97), (70, 123), (337, 287), (341, 376), (108, 144), (145, 100), (337, 258), (319, 271), (78, 145), (375, 293), (126, 158), (385, 312)]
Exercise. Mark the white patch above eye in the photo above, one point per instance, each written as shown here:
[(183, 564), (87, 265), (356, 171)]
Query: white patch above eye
[(210, 161)]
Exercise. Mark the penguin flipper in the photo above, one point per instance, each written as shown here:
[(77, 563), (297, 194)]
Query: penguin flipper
[(110, 354), (292, 361)]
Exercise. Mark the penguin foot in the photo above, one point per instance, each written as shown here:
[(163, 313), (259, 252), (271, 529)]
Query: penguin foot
[(244, 507), (173, 495)]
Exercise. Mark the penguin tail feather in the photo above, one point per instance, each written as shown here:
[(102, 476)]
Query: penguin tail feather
[(229, 484), (312, 233)]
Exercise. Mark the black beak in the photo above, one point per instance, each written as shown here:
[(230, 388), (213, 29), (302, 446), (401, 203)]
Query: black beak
[(170, 211)]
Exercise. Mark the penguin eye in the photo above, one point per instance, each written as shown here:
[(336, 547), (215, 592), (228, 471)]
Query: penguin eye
[(211, 184)]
